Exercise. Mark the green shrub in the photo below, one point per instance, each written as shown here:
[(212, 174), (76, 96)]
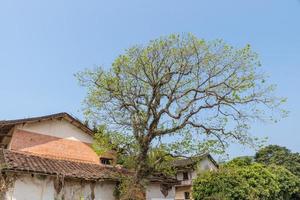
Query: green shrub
[(248, 181)]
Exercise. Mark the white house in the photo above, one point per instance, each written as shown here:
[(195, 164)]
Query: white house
[(50, 158), (187, 171)]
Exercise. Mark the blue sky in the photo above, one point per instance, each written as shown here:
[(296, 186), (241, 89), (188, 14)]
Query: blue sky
[(43, 43)]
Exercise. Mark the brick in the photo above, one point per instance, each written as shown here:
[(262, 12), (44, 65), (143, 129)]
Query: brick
[(50, 146)]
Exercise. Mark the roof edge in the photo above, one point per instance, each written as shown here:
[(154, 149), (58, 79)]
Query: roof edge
[(76, 122), (194, 159)]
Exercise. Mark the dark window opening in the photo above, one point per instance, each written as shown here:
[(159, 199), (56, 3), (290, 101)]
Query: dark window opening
[(4, 146), (186, 195), (106, 161), (185, 176)]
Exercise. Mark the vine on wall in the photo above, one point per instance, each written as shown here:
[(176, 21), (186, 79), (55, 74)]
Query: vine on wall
[(6, 182)]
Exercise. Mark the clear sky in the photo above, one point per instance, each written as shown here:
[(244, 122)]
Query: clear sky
[(43, 43)]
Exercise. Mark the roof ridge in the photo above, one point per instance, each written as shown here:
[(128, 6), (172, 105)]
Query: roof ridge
[(34, 117), (194, 159), (73, 120)]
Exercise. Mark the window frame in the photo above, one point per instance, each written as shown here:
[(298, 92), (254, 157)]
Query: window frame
[(106, 161), (185, 176), (187, 195)]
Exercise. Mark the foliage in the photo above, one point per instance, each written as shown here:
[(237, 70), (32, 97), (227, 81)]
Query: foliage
[(124, 145), (6, 182), (248, 182), (289, 184), (159, 159), (254, 181), (240, 161), (179, 96), (274, 154), (128, 189), (243, 179)]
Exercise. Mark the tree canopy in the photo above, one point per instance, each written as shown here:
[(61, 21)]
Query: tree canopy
[(274, 154), (179, 96)]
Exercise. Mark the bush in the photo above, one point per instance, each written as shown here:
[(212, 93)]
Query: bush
[(246, 181)]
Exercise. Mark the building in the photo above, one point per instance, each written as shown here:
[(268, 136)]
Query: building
[(187, 170), (50, 157)]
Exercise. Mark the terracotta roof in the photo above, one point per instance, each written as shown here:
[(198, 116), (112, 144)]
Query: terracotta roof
[(6, 125), (23, 162), (187, 162)]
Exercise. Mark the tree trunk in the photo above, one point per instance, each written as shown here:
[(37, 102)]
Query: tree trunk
[(142, 164)]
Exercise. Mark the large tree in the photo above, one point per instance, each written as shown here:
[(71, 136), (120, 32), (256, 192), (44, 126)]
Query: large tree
[(274, 154), (180, 94)]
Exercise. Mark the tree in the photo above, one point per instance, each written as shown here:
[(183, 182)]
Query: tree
[(289, 184), (240, 161), (274, 154), (247, 181), (124, 146), (223, 184), (180, 94)]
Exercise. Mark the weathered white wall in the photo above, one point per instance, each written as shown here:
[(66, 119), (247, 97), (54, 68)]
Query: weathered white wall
[(58, 128), (181, 190), (38, 187), (153, 193), (180, 175), (204, 165), (42, 188)]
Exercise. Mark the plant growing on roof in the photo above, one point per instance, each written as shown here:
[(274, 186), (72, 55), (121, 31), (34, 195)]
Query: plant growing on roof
[(181, 94)]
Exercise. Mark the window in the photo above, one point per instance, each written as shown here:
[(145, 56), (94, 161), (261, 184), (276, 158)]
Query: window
[(3, 146), (106, 161), (185, 176), (186, 195)]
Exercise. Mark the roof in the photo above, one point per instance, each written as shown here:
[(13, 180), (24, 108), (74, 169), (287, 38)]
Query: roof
[(6, 125), (186, 162), (161, 178), (15, 161), (24, 162)]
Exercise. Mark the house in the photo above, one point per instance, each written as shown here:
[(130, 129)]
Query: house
[(50, 157), (187, 170), (161, 187)]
